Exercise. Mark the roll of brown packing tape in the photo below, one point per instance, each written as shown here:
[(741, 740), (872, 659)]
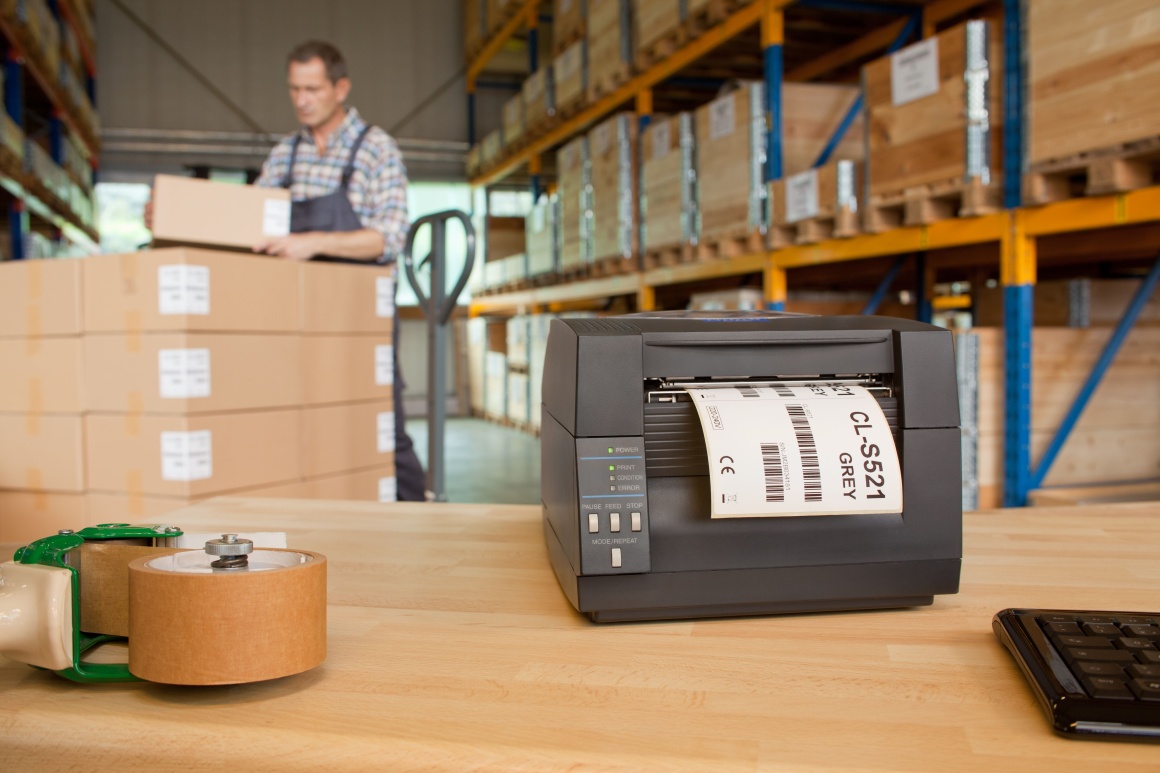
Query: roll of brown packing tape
[(191, 624)]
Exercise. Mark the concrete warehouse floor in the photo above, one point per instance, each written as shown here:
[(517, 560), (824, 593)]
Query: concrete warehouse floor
[(485, 462)]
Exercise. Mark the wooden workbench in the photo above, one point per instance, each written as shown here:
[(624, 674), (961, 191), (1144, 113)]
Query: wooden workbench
[(452, 647)]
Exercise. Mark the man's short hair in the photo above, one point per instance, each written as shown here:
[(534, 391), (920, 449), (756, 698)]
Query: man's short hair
[(317, 49)]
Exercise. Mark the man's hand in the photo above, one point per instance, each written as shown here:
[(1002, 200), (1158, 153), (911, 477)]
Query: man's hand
[(302, 246), (149, 213)]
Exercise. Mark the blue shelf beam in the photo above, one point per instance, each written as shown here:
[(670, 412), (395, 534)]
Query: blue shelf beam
[(879, 295), (1013, 103), (772, 40), (1018, 304)]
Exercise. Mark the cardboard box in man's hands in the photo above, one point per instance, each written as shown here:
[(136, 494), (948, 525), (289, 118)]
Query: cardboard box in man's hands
[(188, 211)]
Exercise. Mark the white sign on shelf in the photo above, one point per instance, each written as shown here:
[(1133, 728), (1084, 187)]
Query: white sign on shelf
[(722, 117), (801, 196), (914, 72)]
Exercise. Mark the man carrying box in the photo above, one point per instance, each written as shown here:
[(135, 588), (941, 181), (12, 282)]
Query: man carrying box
[(348, 189)]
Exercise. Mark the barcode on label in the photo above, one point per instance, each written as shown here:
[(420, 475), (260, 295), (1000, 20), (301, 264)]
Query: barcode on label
[(782, 391), (748, 392), (774, 473), (808, 449)]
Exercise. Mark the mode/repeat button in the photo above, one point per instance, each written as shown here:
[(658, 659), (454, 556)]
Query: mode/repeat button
[(635, 521), (614, 521), (593, 523), (616, 558)]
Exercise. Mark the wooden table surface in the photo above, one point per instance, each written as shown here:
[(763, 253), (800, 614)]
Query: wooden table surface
[(452, 647)]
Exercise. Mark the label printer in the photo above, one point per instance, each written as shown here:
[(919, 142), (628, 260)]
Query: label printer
[(631, 517)]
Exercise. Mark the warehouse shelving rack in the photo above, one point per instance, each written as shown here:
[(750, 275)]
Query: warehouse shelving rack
[(27, 79), (1014, 231)]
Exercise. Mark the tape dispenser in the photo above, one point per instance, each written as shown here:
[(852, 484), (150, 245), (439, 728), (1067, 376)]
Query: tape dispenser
[(225, 614)]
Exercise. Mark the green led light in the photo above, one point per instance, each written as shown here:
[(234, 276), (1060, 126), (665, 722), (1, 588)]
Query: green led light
[(611, 467), (610, 450)]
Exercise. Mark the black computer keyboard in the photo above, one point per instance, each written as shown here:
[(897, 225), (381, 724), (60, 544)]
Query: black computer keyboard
[(1097, 674)]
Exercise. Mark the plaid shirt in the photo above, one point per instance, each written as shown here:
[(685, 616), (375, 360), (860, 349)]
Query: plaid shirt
[(378, 187)]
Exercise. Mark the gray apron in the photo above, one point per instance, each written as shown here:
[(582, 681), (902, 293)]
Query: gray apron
[(333, 213)]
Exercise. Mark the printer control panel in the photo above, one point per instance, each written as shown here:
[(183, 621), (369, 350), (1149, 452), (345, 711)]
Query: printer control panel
[(614, 536)]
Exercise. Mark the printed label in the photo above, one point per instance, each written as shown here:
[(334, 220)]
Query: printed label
[(722, 117), (386, 432), (820, 449), (801, 196), (187, 456), (662, 139), (183, 289), (388, 490), (914, 72), (384, 365), (384, 296), (276, 217), (183, 373)]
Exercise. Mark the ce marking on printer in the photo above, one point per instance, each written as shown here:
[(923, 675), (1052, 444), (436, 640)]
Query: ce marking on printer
[(874, 483)]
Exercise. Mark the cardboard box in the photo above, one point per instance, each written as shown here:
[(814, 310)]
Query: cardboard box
[(191, 456), (345, 298), (42, 452), (29, 515), (120, 507), (183, 373), (347, 369), (375, 485), (188, 211), (41, 375), (338, 438), (40, 298), (190, 289)]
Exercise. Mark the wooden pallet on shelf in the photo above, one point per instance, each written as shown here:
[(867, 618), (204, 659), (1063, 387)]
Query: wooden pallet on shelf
[(926, 204), (671, 255), (729, 245), (1125, 167), (842, 224), (703, 14)]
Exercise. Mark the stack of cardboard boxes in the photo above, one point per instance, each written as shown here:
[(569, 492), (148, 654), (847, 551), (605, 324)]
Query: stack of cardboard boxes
[(135, 384)]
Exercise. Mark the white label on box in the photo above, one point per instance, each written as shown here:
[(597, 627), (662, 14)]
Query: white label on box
[(386, 432), (384, 365), (384, 296), (602, 138), (388, 490), (183, 289), (662, 137), (183, 373), (819, 449), (801, 196), (276, 217), (568, 62), (722, 118), (187, 455), (914, 72)]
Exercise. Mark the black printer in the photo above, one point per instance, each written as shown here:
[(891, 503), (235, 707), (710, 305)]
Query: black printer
[(646, 548)]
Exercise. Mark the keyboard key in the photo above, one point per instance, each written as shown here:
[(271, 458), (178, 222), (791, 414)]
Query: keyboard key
[(1045, 619), (1142, 631), (1135, 620), (1107, 687), (1144, 672), (1101, 629), (1064, 629), (1100, 669), (1148, 658), (1084, 642), (1097, 619), (1146, 689), (1132, 645), (1075, 655)]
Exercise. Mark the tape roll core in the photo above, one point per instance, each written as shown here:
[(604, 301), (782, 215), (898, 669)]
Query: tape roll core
[(193, 625)]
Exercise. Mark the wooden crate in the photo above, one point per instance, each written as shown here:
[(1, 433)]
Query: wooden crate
[(816, 205), (539, 108), (609, 35), (505, 236), (572, 189), (474, 160), (476, 351), (495, 375), (518, 398), (811, 112), (1117, 437), (612, 149), (491, 149), (513, 120), (570, 78), (1070, 303), (730, 156), (540, 236), (657, 30), (919, 169), (568, 19), (1094, 122), (667, 189)]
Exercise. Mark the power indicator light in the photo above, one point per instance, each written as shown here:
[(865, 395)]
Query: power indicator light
[(611, 467), (610, 450)]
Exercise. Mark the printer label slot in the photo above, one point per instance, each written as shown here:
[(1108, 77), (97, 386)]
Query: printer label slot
[(816, 449)]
